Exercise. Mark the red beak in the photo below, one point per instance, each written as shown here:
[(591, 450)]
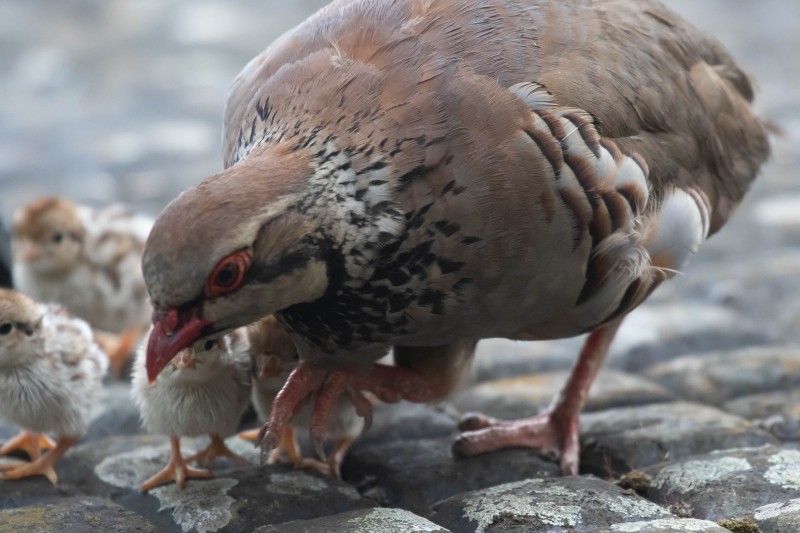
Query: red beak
[(172, 332)]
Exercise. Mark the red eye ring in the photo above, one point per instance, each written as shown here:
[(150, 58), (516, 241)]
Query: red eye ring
[(229, 273)]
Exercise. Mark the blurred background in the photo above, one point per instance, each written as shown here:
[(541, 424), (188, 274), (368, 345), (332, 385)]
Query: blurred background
[(121, 100)]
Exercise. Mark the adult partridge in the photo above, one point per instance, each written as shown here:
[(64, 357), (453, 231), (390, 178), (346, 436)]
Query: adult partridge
[(424, 175)]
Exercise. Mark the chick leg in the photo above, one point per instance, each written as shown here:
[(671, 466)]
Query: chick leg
[(216, 448), (43, 466), (389, 384), (555, 431), (333, 465), (119, 348), (30, 442), (177, 470)]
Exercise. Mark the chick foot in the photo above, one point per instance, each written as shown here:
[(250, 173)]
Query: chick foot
[(42, 466), (31, 443), (554, 432), (388, 383), (332, 466), (216, 448), (177, 470)]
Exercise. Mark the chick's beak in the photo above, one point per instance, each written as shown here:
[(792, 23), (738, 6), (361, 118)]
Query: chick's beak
[(172, 332)]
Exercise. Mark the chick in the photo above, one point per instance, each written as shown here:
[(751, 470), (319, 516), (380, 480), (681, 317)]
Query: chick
[(204, 391), (89, 261), (50, 372), (274, 356)]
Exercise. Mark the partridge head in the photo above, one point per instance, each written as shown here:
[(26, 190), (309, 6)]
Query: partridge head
[(424, 175), (50, 373)]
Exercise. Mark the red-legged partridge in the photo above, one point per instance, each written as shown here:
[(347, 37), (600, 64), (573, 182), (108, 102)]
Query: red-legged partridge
[(204, 391), (50, 373), (274, 356), (89, 261), (424, 175)]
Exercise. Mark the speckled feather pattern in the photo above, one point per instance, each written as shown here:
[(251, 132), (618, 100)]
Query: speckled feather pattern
[(209, 398), (50, 381)]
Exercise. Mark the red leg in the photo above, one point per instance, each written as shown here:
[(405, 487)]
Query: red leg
[(390, 384), (554, 431)]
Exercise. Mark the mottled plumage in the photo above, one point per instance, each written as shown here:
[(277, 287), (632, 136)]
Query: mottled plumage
[(86, 259), (50, 373), (424, 174)]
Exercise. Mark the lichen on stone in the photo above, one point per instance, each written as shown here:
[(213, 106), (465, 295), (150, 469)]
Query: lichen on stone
[(522, 499), (202, 507), (772, 510), (384, 520), (693, 475), (785, 469), (672, 524)]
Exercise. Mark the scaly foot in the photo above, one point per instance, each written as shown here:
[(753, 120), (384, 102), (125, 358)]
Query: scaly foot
[(333, 465), (216, 448), (389, 383), (553, 435), (553, 432), (42, 466), (31, 443), (177, 470)]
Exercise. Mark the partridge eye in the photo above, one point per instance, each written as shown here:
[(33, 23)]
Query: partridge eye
[(57, 238), (6, 328), (209, 345), (229, 274)]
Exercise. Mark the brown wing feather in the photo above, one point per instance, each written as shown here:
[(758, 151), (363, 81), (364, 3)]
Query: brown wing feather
[(657, 85)]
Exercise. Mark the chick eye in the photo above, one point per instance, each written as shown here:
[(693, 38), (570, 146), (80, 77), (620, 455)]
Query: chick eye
[(57, 238), (6, 328), (229, 273)]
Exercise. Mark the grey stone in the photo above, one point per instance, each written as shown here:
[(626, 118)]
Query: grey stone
[(779, 517), (661, 331), (378, 520), (237, 498), (619, 440), (777, 412), (413, 474), (523, 396), (74, 515), (715, 378), (727, 484), (570, 504)]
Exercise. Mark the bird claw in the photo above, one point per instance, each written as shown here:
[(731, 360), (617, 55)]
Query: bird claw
[(549, 433), (389, 383)]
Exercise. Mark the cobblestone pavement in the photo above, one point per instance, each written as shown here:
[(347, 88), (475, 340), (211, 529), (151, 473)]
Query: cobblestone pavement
[(107, 100)]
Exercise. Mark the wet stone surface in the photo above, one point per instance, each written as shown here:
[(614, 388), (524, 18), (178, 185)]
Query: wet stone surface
[(122, 101)]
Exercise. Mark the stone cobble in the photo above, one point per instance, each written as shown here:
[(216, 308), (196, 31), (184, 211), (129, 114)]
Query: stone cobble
[(115, 100)]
